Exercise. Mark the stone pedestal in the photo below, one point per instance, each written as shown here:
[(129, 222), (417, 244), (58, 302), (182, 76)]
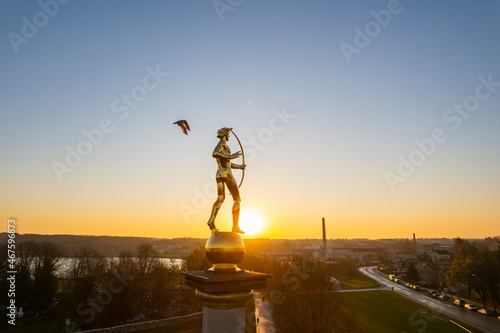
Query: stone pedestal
[(227, 298), (225, 290)]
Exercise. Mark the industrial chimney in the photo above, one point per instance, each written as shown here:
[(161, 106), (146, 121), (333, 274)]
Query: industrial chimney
[(324, 235)]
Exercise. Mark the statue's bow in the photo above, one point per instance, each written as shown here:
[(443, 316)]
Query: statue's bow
[(243, 156)]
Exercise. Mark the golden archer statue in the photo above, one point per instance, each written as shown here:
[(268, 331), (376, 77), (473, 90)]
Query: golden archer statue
[(224, 176)]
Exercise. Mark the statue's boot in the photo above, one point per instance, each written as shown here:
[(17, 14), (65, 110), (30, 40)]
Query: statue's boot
[(211, 225), (238, 230)]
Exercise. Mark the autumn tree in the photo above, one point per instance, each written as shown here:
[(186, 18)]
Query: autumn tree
[(464, 249), (477, 268), (412, 273), (433, 275), (197, 260), (306, 303)]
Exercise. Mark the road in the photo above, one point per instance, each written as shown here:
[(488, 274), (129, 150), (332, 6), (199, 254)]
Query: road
[(264, 315), (487, 324)]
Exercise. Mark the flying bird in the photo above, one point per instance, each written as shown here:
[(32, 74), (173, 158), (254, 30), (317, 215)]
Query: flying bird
[(183, 125)]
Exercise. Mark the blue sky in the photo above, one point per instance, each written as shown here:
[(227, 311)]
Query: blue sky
[(352, 120)]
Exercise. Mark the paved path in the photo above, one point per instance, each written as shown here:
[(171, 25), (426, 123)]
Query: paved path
[(487, 324), (264, 314), (382, 287)]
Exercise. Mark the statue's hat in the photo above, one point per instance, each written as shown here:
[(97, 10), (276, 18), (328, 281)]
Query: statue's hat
[(223, 131)]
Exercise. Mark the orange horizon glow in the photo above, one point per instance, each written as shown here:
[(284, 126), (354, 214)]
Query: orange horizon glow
[(113, 209), (285, 228)]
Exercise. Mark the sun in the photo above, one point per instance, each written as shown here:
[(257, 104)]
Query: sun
[(252, 222)]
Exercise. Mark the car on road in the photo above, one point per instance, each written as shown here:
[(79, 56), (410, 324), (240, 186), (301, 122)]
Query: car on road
[(417, 288), (471, 307), (486, 312), (459, 302), (442, 297), (407, 285)]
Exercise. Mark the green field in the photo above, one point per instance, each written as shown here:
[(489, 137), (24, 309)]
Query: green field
[(358, 281), (385, 311)]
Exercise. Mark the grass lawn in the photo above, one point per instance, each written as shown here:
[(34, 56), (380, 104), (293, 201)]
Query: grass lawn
[(359, 280), (385, 311)]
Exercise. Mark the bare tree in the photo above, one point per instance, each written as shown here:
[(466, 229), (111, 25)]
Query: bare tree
[(88, 272), (45, 283), (27, 253)]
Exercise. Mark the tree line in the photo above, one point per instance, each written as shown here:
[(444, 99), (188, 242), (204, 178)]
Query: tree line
[(475, 271), (111, 246), (302, 298), (96, 291)]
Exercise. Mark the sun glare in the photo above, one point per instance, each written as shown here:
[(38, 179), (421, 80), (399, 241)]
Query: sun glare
[(252, 222)]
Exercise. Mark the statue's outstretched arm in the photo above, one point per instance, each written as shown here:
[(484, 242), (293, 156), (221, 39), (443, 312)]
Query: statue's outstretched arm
[(238, 166)]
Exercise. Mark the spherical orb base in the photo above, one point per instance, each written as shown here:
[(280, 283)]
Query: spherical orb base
[(225, 250)]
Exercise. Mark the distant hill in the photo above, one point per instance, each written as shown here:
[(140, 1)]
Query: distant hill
[(112, 246)]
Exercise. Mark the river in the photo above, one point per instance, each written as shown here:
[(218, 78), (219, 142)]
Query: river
[(66, 263)]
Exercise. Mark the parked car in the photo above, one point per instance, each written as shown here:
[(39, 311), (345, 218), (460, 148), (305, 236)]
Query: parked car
[(442, 297), (486, 312), (459, 302), (471, 307)]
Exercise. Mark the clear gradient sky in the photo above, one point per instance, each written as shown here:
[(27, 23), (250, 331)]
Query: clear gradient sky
[(328, 97)]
